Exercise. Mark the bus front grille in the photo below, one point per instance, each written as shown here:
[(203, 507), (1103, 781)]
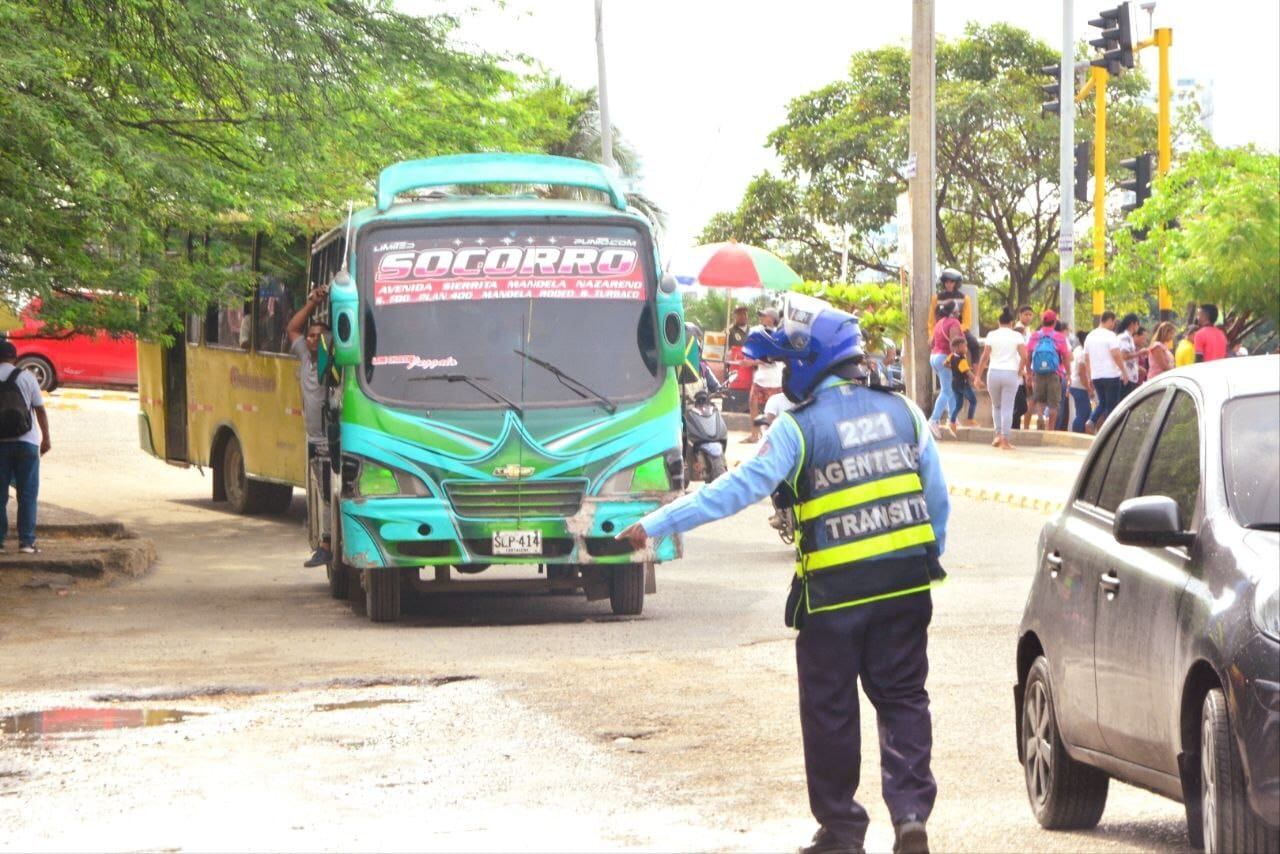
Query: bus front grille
[(490, 500)]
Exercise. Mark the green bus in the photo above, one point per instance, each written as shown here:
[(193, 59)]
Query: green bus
[(503, 389)]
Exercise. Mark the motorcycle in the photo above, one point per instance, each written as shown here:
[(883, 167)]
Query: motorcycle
[(782, 520), (706, 437)]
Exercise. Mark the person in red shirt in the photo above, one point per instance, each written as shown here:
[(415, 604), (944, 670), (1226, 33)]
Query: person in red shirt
[(1210, 341)]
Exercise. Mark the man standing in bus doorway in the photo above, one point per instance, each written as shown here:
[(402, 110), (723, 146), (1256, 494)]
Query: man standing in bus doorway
[(864, 478), (22, 444), (304, 346)]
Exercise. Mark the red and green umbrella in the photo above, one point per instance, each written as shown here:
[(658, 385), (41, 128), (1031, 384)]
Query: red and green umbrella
[(737, 265)]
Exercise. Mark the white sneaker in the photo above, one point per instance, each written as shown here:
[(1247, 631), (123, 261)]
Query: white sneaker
[(28, 550)]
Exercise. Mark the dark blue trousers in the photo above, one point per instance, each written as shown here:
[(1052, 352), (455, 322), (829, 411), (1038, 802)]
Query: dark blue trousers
[(20, 466), (883, 644)]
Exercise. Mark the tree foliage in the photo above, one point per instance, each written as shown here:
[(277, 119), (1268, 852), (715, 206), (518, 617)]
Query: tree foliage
[(1212, 235), (879, 307), (844, 149), (135, 128)]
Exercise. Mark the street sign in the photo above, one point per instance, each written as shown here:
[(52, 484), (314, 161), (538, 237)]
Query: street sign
[(1066, 243)]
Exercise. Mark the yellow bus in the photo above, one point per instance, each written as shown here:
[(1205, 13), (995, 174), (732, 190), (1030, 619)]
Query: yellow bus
[(226, 395)]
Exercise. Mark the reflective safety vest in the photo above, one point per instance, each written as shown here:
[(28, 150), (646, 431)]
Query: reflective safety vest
[(862, 526)]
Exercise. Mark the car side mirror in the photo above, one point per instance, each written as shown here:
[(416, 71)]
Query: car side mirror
[(1150, 520)]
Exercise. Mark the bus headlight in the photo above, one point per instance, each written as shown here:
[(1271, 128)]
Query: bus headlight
[(649, 476), (377, 480)]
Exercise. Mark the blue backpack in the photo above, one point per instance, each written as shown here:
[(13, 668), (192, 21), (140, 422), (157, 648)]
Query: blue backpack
[(1044, 358)]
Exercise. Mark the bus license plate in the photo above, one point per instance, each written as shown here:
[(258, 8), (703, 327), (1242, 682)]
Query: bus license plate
[(517, 542)]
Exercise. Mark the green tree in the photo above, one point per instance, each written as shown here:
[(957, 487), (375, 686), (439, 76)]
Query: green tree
[(131, 125), (1212, 235), (844, 148), (878, 305)]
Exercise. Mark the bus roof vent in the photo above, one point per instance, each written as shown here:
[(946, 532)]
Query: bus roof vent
[(469, 169)]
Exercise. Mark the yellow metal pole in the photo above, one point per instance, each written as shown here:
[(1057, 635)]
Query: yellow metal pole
[(1099, 184), (1164, 38)]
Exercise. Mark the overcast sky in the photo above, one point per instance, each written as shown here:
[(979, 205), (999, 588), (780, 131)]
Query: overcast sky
[(696, 85)]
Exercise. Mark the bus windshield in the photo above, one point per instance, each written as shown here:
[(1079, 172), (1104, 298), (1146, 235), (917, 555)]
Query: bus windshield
[(508, 314)]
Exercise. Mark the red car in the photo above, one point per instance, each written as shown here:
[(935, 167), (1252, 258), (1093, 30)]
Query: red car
[(55, 358)]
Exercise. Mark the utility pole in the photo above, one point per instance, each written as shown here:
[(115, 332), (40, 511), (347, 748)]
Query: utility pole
[(606, 129), (1100, 76), (1066, 170), (921, 192)]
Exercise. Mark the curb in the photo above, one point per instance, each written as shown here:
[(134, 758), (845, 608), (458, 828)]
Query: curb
[(76, 547), (1028, 438), (1004, 496), (92, 395)]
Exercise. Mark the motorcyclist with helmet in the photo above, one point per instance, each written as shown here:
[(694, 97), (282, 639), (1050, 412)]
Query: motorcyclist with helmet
[(861, 473), (949, 282)]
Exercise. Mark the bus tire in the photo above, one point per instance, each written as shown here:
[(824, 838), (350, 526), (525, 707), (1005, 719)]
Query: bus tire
[(382, 594), (245, 495), (626, 589), (337, 570)]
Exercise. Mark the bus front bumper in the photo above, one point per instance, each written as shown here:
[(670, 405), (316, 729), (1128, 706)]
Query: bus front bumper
[(410, 532)]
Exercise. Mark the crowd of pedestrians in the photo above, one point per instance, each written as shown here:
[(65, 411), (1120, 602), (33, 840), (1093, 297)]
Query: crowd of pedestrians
[(1047, 374)]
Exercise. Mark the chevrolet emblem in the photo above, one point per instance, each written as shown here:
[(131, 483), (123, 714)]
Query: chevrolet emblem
[(512, 471)]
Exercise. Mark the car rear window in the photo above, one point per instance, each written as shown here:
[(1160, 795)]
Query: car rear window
[(1251, 459)]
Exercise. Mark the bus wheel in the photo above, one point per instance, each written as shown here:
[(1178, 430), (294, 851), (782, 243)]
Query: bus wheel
[(243, 494), (626, 589), (382, 594)]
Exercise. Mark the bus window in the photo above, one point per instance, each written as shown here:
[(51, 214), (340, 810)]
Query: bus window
[(281, 289), (225, 324)]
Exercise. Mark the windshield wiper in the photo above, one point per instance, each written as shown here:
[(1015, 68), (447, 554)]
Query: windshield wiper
[(492, 394), (575, 385)]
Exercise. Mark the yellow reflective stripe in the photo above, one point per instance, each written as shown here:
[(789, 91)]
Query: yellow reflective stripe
[(860, 494), (921, 589), (916, 535)]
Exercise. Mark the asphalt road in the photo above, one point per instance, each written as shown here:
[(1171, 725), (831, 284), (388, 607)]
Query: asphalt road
[(491, 722)]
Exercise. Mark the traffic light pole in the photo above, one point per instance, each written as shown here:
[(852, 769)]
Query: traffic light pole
[(1164, 39), (1066, 171), (1099, 81)]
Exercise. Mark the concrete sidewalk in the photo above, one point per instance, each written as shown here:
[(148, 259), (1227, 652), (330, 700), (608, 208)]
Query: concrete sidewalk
[(75, 548)]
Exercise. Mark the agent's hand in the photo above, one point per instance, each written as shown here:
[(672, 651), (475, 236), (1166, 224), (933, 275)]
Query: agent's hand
[(635, 535), (45, 445)]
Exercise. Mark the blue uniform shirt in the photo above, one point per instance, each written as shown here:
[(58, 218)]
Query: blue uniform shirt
[(775, 462)]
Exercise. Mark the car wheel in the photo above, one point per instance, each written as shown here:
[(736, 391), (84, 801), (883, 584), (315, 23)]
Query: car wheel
[(1064, 794), (40, 368), (626, 589), (1228, 822)]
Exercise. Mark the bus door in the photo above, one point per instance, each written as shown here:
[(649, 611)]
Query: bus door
[(175, 399)]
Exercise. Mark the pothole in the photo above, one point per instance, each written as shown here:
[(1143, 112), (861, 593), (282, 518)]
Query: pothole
[(356, 704), (63, 720)]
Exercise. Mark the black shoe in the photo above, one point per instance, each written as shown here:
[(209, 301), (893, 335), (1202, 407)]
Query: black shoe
[(826, 842), (321, 557), (909, 837)]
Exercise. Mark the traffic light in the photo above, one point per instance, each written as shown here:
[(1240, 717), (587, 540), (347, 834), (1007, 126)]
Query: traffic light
[(1116, 41), (1140, 184), (1083, 170), (1052, 91)]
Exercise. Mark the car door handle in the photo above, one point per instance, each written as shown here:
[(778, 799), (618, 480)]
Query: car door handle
[(1110, 582), (1055, 563)]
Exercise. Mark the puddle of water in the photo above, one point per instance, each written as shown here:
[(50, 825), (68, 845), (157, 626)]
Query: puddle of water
[(54, 721), (356, 704)]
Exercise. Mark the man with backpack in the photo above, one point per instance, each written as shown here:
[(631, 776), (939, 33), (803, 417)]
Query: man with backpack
[(22, 443), (1048, 355)]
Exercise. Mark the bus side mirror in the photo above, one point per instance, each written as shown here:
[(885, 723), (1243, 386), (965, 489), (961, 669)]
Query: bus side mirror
[(670, 322), (326, 367), (343, 313)]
